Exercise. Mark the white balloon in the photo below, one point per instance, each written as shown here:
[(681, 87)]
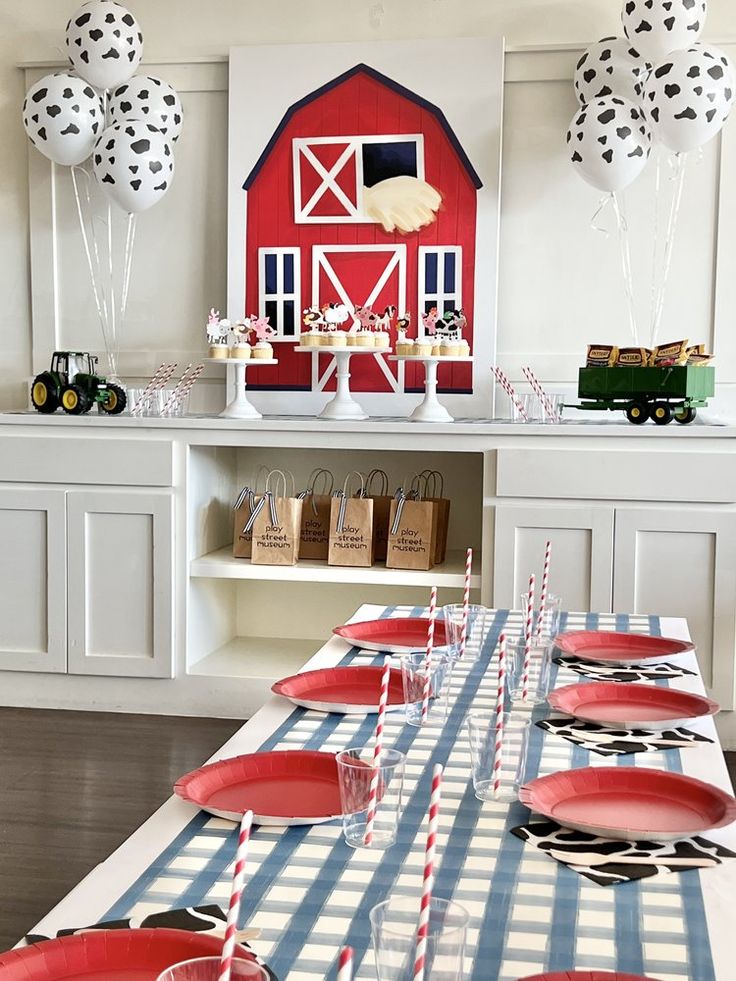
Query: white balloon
[(63, 115), (150, 98), (104, 43), (610, 67), (609, 142), (656, 27), (688, 97), (134, 164)]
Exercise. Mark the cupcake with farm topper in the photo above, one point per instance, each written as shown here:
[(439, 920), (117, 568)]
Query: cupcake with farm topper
[(382, 335), (241, 331), (217, 335), (314, 323), (361, 332), (262, 350), (335, 315), (404, 343)]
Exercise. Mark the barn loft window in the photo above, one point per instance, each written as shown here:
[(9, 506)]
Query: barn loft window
[(279, 289), (440, 278), (330, 172)]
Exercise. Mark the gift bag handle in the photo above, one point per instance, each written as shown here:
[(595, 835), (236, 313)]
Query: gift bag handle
[(416, 484), (280, 480), (269, 499), (435, 475), (312, 480), (261, 471), (342, 496), (377, 472)]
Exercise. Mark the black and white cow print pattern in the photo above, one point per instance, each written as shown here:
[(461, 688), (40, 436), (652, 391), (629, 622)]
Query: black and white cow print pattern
[(619, 742), (688, 97), (547, 835), (62, 115), (208, 919), (656, 27), (624, 672), (134, 164), (104, 43), (150, 98), (609, 142), (610, 67)]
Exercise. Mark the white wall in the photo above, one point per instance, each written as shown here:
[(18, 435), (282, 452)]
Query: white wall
[(559, 279)]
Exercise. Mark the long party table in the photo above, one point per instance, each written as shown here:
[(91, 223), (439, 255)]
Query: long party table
[(308, 892)]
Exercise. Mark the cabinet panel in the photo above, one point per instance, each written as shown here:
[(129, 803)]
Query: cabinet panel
[(582, 557), (86, 460), (32, 573), (120, 584), (683, 564)]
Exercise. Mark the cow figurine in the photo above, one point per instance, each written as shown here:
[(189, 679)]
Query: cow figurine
[(384, 321), (312, 317)]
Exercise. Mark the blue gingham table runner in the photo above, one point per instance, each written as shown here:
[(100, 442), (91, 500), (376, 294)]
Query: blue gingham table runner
[(309, 892)]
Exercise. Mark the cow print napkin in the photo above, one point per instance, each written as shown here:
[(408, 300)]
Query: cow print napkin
[(617, 742), (547, 835), (198, 919), (633, 672)]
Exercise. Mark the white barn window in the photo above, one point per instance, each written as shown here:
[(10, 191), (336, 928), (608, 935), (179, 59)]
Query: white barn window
[(279, 289), (440, 278)]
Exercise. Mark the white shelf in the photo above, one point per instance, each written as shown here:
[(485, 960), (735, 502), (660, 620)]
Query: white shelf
[(266, 659), (222, 565)]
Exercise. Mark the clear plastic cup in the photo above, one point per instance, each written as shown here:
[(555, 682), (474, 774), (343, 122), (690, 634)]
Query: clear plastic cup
[(354, 772), (540, 670), (514, 751), (550, 618), (208, 969), (533, 407), (413, 674), (476, 629), (394, 932)]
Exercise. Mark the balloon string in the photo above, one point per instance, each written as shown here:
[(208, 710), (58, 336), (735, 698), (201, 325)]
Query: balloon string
[(597, 214), (127, 265), (102, 313), (655, 246), (623, 239), (679, 179), (97, 277)]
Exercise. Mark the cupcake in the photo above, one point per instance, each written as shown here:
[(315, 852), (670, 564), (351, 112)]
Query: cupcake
[(337, 338), (463, 349), (423, 347), (351, 339), (310, 338), (241, 349), (382, 339), (219, 351), (436, 346), (405, 347), (365, 338), (262, 351)]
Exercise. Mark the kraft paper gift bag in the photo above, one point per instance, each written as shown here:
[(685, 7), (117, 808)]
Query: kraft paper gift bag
[(314, 534), (275, 523), (434, 490), (242, 510), (381, 513), (351, 527), (413, 532)]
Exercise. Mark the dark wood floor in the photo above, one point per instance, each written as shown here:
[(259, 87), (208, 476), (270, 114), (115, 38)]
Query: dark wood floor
[(74, 786)]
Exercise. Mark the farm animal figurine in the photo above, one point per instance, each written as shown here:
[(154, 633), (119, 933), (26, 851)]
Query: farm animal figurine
[(241, 329), (402, 326), (384, 321), (213, 327), (429, 319), (366, 319), (261, 327), (335, 314), (312, 317), (454, 322)]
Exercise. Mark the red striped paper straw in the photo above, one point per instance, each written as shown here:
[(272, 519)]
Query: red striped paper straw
[(498, 755), (159, 378), (236, 891), (428, 659), (466, 600), (528, 639), (183, 388), (506, 385), (428, 883), (345, 965), (539, 392), (545, 583), (377, 750)]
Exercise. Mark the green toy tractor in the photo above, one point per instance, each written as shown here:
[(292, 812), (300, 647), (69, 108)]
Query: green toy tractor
[(72, 382)]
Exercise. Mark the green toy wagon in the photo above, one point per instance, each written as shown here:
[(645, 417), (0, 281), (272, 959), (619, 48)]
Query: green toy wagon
[(660, 394)]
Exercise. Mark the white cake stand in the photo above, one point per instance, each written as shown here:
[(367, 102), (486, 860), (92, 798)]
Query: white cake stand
[(240, 407), (343, 406), (431, 409)]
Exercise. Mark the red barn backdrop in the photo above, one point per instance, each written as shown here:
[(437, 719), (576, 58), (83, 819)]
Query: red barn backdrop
[(308, 241)]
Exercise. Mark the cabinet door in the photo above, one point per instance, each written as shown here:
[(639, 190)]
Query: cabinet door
[(32, 574), (582, 553), (120, 578), (682, 563)]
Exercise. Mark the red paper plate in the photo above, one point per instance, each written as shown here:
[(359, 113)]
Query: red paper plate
[(630, 802), (587, 976), (349, 690), (631, 706), (395, 635), (109, 955), (609, 647), (281, 788)]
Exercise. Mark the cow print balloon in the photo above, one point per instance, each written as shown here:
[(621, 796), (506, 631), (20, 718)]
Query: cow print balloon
[(609, 142), (688, 97), (150, 98), (63, 115), (134, 164), (104, 43), (656, 27), (610, 67)]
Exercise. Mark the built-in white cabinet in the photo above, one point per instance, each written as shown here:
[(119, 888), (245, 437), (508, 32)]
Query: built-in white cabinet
[(120, 574), (681, 562), (582, 546), (32, 579)]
